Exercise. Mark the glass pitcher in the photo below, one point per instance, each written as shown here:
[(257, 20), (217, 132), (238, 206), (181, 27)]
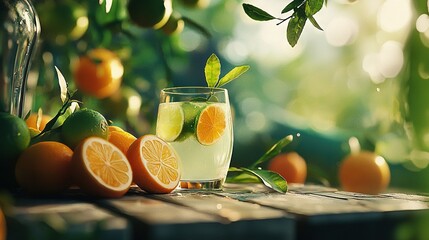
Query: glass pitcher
[(19, 33)]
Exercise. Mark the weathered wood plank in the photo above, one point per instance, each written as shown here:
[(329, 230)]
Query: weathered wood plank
[(202, 215), (240, 211), (46, 219)]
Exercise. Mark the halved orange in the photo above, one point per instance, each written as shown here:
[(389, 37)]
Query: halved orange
[(155, 164), (101, 169), (211, 124)]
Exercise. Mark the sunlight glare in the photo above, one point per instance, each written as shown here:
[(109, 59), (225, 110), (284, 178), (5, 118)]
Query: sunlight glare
[(394, 15), (422, 23), (341, 31), (391, 59)]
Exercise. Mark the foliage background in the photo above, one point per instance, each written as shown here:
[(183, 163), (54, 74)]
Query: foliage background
[(362, 76)]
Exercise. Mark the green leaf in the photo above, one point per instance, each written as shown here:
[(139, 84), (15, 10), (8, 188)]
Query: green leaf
[(270, 179), (233, 74), (315, 24), (274, 150), (292, 5), (212, 70), (63, 85), (256, 13), (241, 177), (313, 6), (295, 27), (39, 118), (108, 4)]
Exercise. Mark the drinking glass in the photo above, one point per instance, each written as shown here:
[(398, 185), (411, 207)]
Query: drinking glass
[(197, 122)]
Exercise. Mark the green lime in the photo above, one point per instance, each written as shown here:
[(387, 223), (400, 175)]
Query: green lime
[(174, 25), (62, 19), (195, 3), (170, 121), (191, 111), (14, 139), (82, 124), (149, 14)]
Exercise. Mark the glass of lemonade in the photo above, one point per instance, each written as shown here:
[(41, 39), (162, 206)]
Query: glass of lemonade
[(197, 122)]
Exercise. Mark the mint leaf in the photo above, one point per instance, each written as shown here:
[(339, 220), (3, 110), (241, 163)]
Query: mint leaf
[(256, 13), (274, 150), (295, 27), (312, 7), (212, 70), (292, 5), (233, 74), (270, 179)]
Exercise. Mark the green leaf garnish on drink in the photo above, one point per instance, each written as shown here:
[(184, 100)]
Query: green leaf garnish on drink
[(212, 72)]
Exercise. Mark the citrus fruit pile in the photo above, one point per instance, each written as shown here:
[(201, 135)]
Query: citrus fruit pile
[(102, 160)]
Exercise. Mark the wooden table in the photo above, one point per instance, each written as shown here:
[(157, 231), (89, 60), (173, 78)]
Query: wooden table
[(241, 211)]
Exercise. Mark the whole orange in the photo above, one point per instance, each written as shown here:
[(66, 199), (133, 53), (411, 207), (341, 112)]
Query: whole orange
[(44, 168), (121, 139), (32, 121), (99, 73), (364, 172), (291, 166)]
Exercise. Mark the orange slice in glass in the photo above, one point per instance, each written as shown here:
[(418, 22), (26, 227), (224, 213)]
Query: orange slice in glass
[(211, 124), (101, 169), (155, 164)]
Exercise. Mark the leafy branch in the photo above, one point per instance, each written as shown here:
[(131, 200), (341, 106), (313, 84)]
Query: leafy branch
[(303, 10)]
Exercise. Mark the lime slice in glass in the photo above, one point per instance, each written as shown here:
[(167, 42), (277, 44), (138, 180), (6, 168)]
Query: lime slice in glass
[(170, 121), (191, 111)]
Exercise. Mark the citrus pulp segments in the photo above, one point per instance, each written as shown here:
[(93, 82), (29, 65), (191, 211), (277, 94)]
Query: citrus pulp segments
[(160, 160), (211, 124), (191, 111), (107, 160), (170, 121)]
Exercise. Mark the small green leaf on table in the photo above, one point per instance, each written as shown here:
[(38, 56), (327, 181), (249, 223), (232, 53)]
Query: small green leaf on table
[(273, 151), (270, 179)]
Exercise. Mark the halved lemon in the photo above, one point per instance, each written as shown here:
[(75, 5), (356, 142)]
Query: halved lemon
[(101, 169), (211, 124), (155, 164), (170, 121)]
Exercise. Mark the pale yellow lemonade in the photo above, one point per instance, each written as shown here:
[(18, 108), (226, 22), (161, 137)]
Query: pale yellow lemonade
[(203, 162)]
